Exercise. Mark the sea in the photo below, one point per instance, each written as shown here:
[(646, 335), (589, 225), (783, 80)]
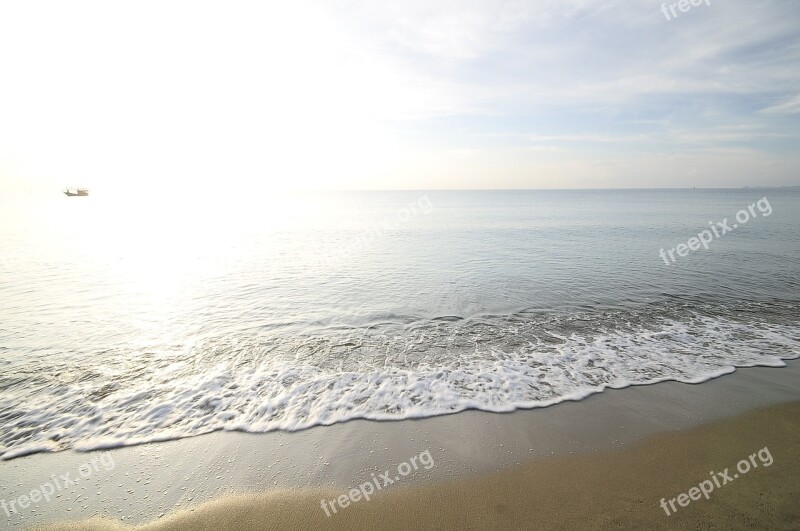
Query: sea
[(131, 318)]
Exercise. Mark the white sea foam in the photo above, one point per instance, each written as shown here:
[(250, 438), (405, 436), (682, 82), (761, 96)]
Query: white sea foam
[(382, 372)]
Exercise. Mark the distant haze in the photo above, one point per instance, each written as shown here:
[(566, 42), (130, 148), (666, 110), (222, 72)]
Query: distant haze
[(258, 96)]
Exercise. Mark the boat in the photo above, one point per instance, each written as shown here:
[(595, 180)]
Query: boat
[(76, 192)]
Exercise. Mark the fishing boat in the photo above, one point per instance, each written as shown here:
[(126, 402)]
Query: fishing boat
[(76, 192)]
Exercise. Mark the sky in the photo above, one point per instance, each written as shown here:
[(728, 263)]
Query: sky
[(251, 97)]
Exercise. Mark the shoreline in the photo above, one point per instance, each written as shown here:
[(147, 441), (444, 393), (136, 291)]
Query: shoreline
[(157, 479), (654, 484)]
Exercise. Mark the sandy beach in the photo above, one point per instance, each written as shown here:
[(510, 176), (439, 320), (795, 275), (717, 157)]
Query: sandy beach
[(610, 489), (610, 459), (424, 264)]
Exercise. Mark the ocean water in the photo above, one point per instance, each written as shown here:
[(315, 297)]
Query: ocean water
[(125, 319)]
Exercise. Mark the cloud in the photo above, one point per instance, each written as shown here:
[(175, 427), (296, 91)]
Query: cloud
[(358, 93), (790, 106)]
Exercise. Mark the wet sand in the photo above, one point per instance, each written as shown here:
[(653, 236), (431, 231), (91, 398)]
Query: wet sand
[(610, 457), (619, 489)]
